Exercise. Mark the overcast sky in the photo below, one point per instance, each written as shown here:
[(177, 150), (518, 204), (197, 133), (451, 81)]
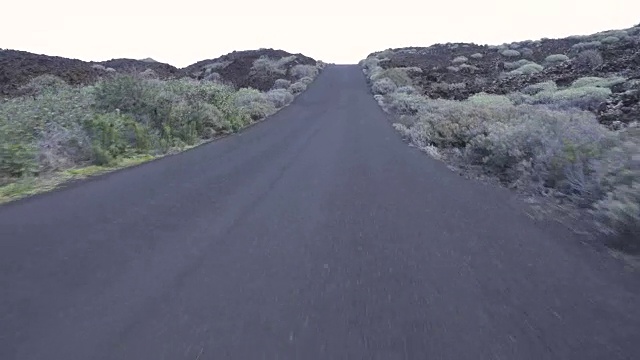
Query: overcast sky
[(339, 31)]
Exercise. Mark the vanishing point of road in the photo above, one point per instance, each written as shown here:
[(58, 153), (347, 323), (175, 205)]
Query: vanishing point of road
[(317, 234)]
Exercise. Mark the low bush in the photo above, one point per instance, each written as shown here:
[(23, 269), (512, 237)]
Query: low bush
[(510, 53), (548, 86), (477, 56), (404, 103), (383, 86), (588, 59), (528, 69), (598, 81), (281, 84), (515, 64), (268, 65), (586, 45), (468, 68), (301, 71), (398, 76), (297, 87), (556, 58), (279, 97), (619, 209), (610, 40), (460, 60), (254, 103)]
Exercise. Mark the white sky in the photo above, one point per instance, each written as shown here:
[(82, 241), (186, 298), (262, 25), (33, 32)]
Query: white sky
[(183, 32)]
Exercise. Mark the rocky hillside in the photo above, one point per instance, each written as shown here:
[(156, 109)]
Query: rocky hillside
[(458, 70), (555, 119), (239, 68)]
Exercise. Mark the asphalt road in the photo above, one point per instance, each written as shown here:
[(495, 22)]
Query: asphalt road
[(317, 234)]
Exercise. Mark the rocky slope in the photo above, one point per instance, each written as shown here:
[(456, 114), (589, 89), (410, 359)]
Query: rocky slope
[(18, 67), (459, 70)]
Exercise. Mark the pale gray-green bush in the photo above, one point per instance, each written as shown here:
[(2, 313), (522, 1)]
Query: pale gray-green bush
[(556, 58), (459, 60), (468, 68), (301, 71), (589, 59), (383, 86), (306, 80), (477, 56), (405, 103), (619, 170), (279, 97), (585, 97), (598, 81), (610, 40), (268, 65), (538, 146), (528, 69), (281, 84), (516, 64), (297, 87), (586, 45), (398, 76), (254, 103), (408, 89), (510, 53)]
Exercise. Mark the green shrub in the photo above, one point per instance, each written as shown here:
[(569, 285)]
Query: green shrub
[(477, 56), (28, 140), (43, 83), (132, 95)]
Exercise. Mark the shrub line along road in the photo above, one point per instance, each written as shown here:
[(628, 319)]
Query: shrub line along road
[(317, 234)]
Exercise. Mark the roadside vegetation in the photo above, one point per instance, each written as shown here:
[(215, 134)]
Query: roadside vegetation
[(542, 138), (54, 132)]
